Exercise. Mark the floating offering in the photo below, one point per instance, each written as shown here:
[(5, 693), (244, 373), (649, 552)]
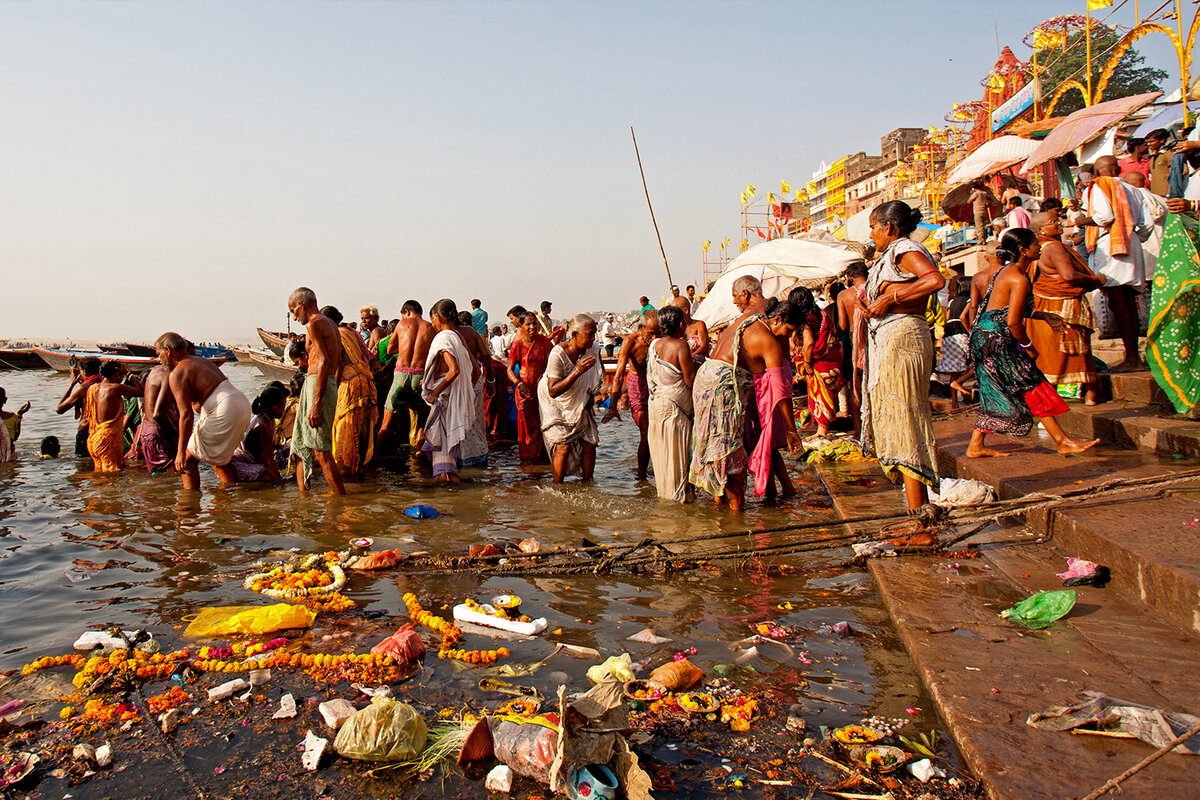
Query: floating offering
[(698, 703)]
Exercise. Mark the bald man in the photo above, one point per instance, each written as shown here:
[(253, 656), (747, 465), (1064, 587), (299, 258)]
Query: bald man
[(1114, 230)]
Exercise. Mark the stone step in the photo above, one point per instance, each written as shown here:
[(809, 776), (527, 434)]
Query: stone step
[(1133, 425), (1133, 387), (1148, 541), (987, 675)]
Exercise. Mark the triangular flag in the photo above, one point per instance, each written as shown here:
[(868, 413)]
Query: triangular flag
[(743, 198), (745, 244), (785, 187), (707, 244), (761, 235), (750, 190), (1096, 5), (771, 198)]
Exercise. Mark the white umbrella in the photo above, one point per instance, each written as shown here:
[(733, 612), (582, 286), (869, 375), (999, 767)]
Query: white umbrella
[(991, 157), (780, 265), (858, 227)]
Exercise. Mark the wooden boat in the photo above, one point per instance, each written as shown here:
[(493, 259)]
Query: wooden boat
[(64, 360), (274, 368), (21, 359), (275, 341)]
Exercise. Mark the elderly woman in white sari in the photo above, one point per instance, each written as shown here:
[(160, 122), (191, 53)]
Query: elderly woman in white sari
[(670, 371), (897, 420), (566, 396), (447, 388)]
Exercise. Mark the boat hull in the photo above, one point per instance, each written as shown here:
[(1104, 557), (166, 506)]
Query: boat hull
[(275, 341), (20, 359), (64, 360), (276, 369)]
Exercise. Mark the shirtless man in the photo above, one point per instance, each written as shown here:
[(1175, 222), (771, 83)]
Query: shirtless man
[(82, 377), (634, 351), (369, 324), (312, 438), (694, 331), (409, 343), (160, 421), (200, 387)]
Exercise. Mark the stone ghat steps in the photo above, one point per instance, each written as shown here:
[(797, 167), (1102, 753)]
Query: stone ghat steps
[(1148, 540), (1138, 415), (987, 675)]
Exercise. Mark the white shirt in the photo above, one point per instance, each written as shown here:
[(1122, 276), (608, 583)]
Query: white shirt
[(608, 332), (498, 348), (1126, 270)]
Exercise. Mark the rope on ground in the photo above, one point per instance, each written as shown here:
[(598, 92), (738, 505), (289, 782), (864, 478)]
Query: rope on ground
[(1145, 762)]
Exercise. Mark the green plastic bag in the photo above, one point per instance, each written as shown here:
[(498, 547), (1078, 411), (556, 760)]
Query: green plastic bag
[(1041, 609), (386, 730)]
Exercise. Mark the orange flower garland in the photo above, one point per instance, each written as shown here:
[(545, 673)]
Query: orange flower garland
[(172, 698), (450, 634)]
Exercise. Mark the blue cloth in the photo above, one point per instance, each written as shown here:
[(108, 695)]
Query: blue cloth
[(421, 512), (1178, 181), (479, 321)]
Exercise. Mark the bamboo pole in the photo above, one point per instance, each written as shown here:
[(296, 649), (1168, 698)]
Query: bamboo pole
[(641, 171)]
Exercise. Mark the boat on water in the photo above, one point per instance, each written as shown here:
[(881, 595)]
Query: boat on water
[(20, 358), (133, 349), (271, 366), (64, 360), (275, 341)]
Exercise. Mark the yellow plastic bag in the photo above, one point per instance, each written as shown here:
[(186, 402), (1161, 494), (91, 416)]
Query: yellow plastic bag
[(386, 730), (619, 667), (249, 620)]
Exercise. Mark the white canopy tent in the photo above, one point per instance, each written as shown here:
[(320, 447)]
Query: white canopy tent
[(991, 157), (780, 265)]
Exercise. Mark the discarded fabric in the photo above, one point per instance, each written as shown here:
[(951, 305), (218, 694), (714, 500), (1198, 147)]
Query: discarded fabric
[(1089, 709), (421, 512)]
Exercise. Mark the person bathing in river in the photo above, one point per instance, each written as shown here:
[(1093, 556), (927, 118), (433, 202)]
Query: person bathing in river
[(631, 373), (86, 373), (254, 460), (409, 344), (312, 437), (566, 398), (1012, 390), (159, 434), (446, 387), (199, 386), (356, 417), (527, 363), (695, 332), (670, 372), (474, 451), (12, 427), (104, 410)]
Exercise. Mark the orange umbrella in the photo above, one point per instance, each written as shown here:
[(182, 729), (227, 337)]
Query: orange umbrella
[(1083, 126)]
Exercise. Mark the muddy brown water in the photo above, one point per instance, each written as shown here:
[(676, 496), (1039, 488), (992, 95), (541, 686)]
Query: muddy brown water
[(80, 550)]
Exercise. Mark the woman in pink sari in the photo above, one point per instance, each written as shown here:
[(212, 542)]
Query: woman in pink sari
[(527, 361)]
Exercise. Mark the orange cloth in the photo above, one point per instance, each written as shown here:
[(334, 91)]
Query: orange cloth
[(1062, 325), (357, 414), (105, 442), (1122, 226)]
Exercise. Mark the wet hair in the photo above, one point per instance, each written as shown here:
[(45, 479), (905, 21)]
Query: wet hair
[(296, 384), (1013, 242), (295, 350), (1050, 204), (369, 310), (171, 341), (788, 312), (580, 322), (857, 269), (475, 303), (899, 214), (517, 311), (273, 394), (111, 369), (546, 306), (50, 446), (465, 319), (332, 313), (446, 309), (90, 365), (302, 297), (747, 283), (670, 320), (411, 305), (802, 298)]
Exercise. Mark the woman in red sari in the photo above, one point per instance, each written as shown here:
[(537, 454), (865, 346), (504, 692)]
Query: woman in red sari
[(821, 365), (527, 361)]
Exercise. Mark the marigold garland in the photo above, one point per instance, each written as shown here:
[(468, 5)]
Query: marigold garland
[(450, 634), (287, 582)]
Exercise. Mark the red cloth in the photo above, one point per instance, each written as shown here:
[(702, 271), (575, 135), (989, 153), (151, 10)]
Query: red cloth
[(529, 362), (1044, 401), (773, 385)]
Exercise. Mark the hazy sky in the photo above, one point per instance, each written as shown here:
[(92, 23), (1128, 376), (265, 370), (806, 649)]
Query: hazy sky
[(185, 165)]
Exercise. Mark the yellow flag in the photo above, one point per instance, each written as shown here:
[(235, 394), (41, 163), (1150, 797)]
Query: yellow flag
[(726, 242), (745, 244), (743, 198), (707, 244), (750, 190), (997, 81), (1095, 5), (771, 197), (722, 244), (1046, 39), (785, 187)]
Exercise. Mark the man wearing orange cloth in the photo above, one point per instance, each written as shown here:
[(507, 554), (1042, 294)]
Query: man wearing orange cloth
[(356, 416), (104, 412)]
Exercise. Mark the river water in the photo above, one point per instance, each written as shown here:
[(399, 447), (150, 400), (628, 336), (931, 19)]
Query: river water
[(80, 550)]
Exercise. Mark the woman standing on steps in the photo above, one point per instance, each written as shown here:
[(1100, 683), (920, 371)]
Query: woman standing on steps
[(1012, 390)]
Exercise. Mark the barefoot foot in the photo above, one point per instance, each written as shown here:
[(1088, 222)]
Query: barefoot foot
[(1068, 446), (985, 452)]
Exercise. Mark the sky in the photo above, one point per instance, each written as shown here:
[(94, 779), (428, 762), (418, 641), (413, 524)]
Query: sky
[(185, 165)]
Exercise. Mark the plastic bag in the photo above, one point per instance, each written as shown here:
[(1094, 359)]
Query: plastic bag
[(386, 730), (249, 620), (421, 512), (619, 667), (678, 676), (384, 559), (1041, 609), (404, 645), (526, 747)]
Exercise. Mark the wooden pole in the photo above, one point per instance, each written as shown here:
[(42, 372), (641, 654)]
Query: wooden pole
[(667, 266), (1088, 67)]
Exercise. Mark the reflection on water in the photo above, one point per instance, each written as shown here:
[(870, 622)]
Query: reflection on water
[(79, 550)]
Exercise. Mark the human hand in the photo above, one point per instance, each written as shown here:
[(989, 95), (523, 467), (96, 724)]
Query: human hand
[(21, 411), (879, 307), (314, 416), (181, 462), (612, 412), (523, 388), (1177, 205), (585, 363), (1031, 351), (794, 444), (420, 438)]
